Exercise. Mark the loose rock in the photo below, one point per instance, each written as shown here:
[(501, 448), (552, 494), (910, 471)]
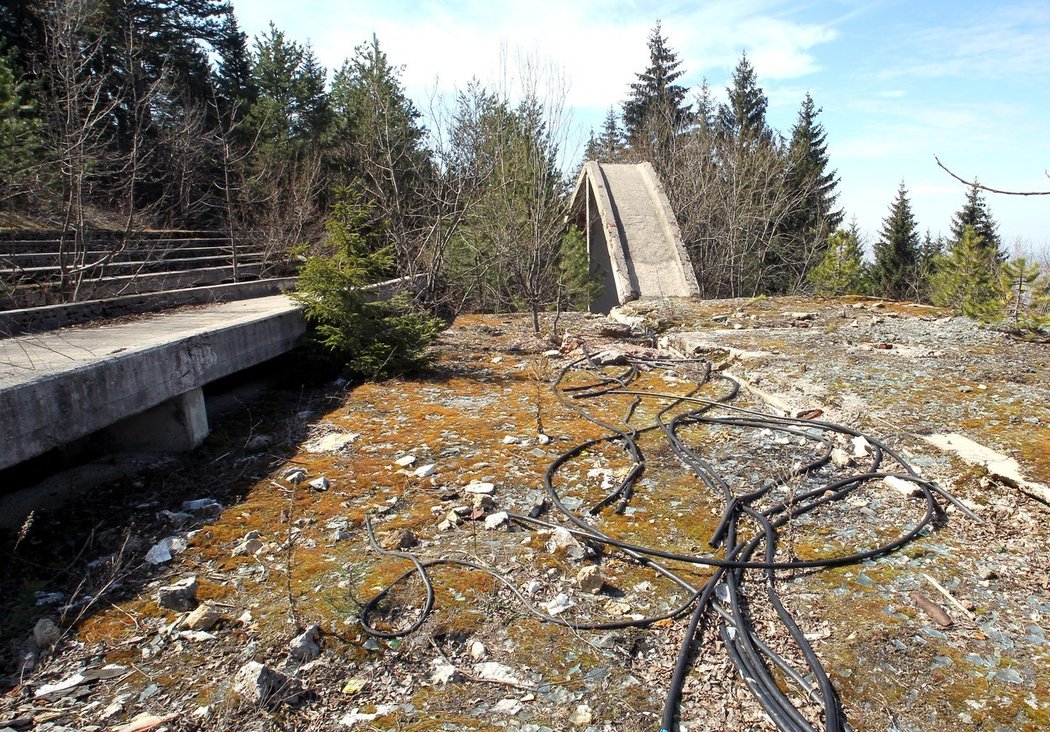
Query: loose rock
[(589, 579), (306, 646), (319, 484), (45, 633), (400, 539), (203, 618), (180, 596), (264, 685)]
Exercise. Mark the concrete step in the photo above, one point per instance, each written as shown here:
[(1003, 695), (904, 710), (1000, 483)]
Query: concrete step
[(41, 294), (52, 273), (51, 257)]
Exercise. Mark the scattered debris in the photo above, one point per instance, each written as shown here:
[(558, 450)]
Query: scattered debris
[(67, 685), (935, 611)]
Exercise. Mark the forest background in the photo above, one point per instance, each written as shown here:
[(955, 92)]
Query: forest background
[(134, 115)]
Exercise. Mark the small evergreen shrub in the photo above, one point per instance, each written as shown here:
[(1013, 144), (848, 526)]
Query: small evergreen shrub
[(363, 339)]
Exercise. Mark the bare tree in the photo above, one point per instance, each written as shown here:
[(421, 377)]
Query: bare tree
[(78, 109)]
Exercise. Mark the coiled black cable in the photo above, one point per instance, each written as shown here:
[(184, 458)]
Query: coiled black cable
[(722, 597)]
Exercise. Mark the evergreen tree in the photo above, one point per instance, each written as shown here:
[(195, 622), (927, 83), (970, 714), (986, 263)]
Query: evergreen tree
[(743, 117), (809, 175), (20, 145), (896, 252), (609, 146), (975, 213), (966, 278), (291, 104), (706, 115), (379, 140), (930, 253), (1026, 295), (842, 270), (655, 98), (365, 339), (233, 71)]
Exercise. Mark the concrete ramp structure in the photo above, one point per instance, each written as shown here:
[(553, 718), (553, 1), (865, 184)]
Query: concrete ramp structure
[(633, 239)]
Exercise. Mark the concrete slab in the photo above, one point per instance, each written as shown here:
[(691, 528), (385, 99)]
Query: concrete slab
[(56, 387)]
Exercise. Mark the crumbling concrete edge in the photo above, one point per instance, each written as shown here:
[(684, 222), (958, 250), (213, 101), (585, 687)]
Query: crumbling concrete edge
[(670, 226), (1001, 467), (594, 174)]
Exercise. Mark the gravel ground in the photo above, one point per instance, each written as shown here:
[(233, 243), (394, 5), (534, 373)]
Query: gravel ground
[(277, 556)]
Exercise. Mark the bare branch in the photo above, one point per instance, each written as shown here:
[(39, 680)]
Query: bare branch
[(975, 184)]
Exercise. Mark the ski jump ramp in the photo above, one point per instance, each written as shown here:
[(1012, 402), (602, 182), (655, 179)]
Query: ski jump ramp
[(633, 240)]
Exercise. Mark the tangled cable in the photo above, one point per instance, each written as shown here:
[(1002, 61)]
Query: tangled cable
[(744, 542)]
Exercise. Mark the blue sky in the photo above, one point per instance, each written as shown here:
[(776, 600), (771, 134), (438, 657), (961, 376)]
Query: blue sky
[(899, 81)]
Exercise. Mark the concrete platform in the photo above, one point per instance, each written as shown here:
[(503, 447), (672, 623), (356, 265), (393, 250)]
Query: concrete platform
[(59, 386)]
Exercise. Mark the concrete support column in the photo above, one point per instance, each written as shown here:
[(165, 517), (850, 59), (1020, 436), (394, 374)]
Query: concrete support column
[(177, 425)]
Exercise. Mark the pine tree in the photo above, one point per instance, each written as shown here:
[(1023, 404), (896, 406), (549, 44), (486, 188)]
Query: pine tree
[(809, 174), (20, 145), (811, 188), (1026, 295), (842, 270), (379, 144), (743, 118), (291, 101), (655, 98), (610, 145), (233, 80), (966, 279), (930, 253), (975, 213), (896, 252)]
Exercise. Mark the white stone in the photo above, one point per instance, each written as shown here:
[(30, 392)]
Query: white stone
[(507, 706), (559, 604), (332, 442), (477, 487), (443, 673), (840, 458), (477, 650), (510, 440), (319, 484), (424, 471), (495, 520), (581, 716), (905, 487), (405, 460), (493, 671), (860, 446), (165, 549)]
